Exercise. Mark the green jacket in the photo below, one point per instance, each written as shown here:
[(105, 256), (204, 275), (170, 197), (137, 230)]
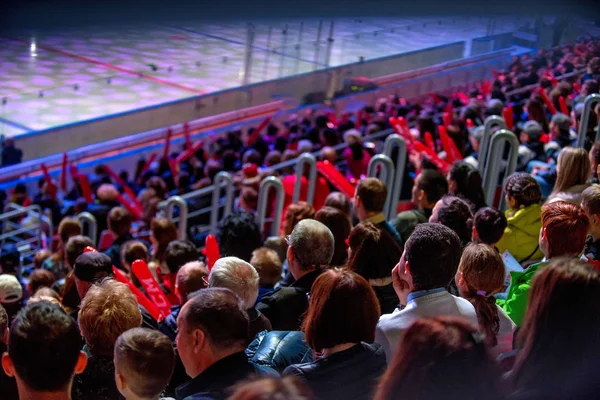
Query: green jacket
[(515, 304), (406, 222), (521, 236)]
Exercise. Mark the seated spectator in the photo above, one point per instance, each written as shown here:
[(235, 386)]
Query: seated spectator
[(428, 188), (531, 148), (66, 287), (8, 385), (292, 215), (238, 235), (356, 156), (560, 220), (523, 216), (107, 310), (144, 363), (11, 155), (67, 228), (480, 275), (560, 135), (279, 349), (44, 352), (11, 295), (119, 224), (559, 338), (340, 325), (590, 202), (179, 253), (488, 226), (40, 278), (310, 249), (465, 181), (190, 278), (340, 226), (455, 213), (242, 279), (106, 200), (268, 265), (427, 266), (572, 173), (40, 257), (340, 201), (289, 387), (212, 332), (369, 201), (442, 358), (162, 232), (373, 255), (131, 251)]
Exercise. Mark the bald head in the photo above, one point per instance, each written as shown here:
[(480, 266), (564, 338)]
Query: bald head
[(237, 275), (312, 244), (189, 279)]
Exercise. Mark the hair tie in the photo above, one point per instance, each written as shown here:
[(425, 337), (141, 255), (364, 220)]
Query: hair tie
[(482, 293)]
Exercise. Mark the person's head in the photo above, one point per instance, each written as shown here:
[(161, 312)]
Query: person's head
[(327, 153), (532, 132), (536, 111), (590, 202), (294, 214), (211, 325), (366, 242), (40, 278), (562, 324), (10, 259), (107, 193), (238, 276), (75, 247), (428, 188), (340, 201), (44, 350), (11, 293), (488, 226), (3, 325), (107, 310), (573, 168), (480, 275), (238, 235), (562, 220), (144, 363), (163, 232), (465, 181), (343, 308), (90, 268), (261, 388), (441, 358), (310, 247), (430, 258), (67, 228), (521, 191), (131, 251), (455, 213), (189, 279), (178, 253), (41, 256), (560, 125), (369, 198), (340, 226), (268, 265), (119, 221)]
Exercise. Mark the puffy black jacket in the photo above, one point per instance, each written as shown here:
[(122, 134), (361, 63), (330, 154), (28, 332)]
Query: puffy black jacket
[(279, 349)]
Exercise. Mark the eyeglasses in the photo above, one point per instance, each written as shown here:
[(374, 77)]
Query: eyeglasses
[(205, 280)]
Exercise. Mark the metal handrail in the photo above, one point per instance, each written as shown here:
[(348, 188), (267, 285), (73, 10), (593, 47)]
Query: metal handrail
[(263, 197), (492, 174), (87, 219), (589, 102), (484, 144), (220, 179), (305, 158), (386, 175), (179, 202), (392, 141)]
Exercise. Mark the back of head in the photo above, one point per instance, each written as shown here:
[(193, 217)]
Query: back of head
[(296, 213), (339, 225), (238, 276), (119, 221), (164, 231), (10, 259), (68, 227), (40, 278), (433, 253), (108, 310), (372, 193), (366, 243), (238, 235), (133, 250), (44, 346), (590, 200), (179, 253), (490, 224), (92, 267), (523, 188), (338, 200), (268, 265), (434, 184), (312, 244), (190, 278), (221, 315), (75, 247), (469, 184), (573, 168), (441, 358), (146, 359), (561, 220), (288, 387), (343, 308), (455, 213)]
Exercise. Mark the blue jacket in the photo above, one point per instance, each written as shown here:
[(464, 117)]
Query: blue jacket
[(169, 325)]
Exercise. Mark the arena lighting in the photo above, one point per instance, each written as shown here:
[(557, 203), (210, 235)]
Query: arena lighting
[(33, 48)]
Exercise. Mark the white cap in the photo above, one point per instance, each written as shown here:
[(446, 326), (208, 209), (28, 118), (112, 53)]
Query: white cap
[(11, 290)]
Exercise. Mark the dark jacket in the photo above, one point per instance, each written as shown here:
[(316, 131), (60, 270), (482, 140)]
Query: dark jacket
[(286, 306), (8, 385), (349, 374), (279, 349), (169, 325), (592, 248), (216, 379), (258, 323), (114, 251), (97, 382), (406, 222)]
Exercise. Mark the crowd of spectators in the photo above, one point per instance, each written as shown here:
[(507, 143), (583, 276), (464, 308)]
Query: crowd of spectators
[(451, 299)]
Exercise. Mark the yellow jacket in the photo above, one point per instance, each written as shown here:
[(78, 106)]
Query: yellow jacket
[(521, 236)]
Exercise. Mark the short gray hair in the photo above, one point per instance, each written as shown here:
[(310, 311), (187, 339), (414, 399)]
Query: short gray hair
[(312, 243), (237, 275)]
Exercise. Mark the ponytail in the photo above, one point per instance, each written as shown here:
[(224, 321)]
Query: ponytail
[(487, 315)]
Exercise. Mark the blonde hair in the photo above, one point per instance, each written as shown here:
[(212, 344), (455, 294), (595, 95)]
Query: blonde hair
[(237, 275), (573, 168), (107, 310)]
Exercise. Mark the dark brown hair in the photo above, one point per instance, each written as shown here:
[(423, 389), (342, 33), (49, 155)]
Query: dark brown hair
[(343, 308), (340, 201), (40, 278), (164, 232), (490, 224), (523, 188), (372, 193), (339, 225), (367, 259), (455, 213), (296, 213), (119, 221)]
